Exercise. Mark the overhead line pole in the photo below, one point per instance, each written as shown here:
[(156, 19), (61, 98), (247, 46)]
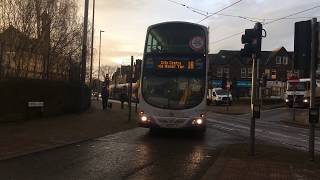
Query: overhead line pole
[(84, 43), (130, 89), (92, 37)]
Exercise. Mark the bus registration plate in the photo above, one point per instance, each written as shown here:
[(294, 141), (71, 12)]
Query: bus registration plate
[(171, 125)]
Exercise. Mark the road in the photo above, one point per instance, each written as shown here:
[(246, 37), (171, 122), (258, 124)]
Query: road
[(136, 154), (269, 128), (133, 154)]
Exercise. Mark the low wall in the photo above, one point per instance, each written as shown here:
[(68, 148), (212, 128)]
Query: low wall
[(58, 97)]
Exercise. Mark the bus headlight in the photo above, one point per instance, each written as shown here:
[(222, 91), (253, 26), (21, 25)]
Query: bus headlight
[(305, 100), (198, 121), (144, 118)]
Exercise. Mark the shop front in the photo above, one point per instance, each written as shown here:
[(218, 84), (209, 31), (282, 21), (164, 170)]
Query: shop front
[(242, 88)]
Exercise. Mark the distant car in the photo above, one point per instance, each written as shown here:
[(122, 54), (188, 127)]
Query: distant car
[(219, 96)]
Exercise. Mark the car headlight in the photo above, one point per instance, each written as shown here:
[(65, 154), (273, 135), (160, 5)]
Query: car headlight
[(305, 100), (287, 100)]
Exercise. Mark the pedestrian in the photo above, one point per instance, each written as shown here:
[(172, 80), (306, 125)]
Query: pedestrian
[(123, 96), (105, 96)]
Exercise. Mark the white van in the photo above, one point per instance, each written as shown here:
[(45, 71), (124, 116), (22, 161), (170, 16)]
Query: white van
[(301, 93), (219, 96)]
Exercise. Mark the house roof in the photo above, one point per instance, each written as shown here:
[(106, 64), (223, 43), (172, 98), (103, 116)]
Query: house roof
[(13, 37), (225, 57)]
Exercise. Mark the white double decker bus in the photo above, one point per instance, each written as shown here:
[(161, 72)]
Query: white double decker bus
[(174, 77)]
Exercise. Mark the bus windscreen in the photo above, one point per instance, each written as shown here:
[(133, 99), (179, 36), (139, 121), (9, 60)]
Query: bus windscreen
[(176, 38)]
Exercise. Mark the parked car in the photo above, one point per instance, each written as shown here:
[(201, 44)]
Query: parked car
[(219, 96), (96, 95)]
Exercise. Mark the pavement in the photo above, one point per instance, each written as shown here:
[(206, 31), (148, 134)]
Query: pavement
[(301, 118), (269, 163), (20, 138), (239, 108)]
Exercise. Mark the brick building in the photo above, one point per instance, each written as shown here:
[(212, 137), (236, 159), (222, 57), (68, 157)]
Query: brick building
[(229, 66), (122, 74), (22, 56)]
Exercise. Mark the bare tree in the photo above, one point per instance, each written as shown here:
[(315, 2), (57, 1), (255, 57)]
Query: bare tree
[(106, 69)]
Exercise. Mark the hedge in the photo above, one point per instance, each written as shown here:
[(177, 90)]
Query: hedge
[(58, 97)]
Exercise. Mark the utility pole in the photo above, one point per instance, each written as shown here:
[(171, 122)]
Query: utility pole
[(130, 88), (92, 37), (313, 111), (84, 43)]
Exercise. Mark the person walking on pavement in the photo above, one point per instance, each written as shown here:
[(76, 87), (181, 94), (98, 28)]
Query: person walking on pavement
[(123, 96), (104, 96), (105, 93)]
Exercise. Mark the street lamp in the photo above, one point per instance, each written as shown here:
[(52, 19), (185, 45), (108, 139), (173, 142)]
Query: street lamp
[(99, 58)]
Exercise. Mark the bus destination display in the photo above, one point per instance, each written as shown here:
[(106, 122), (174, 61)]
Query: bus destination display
[(176, 65)]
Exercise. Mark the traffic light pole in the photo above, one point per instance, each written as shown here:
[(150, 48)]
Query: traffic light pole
[(253, 105), (312, 86), (252, 49)]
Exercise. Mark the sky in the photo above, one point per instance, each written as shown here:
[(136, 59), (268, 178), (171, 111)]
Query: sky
[(125, 22)]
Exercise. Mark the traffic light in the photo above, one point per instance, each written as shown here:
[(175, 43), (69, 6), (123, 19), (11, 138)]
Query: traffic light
[(252, 41), (302, 47)]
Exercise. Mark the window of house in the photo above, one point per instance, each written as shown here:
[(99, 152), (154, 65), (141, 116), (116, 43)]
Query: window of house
[(285, 60), (219, 72), (226, 72), (267, 73), (278, 60), (243, 73), (273, 74), (289, 74), (249, 70)]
